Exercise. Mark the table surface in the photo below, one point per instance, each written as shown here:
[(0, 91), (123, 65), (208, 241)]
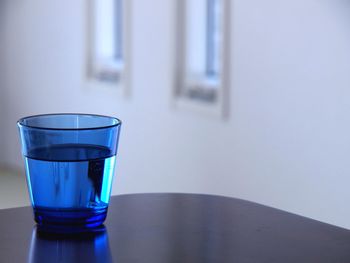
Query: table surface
[(180, 228)]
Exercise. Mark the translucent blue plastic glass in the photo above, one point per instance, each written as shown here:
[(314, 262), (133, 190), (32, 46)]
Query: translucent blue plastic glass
[(69, 162)]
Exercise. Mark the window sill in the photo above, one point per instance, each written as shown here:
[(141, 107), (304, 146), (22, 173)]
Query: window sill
[(204, 96), (212, 109), (116, 87)]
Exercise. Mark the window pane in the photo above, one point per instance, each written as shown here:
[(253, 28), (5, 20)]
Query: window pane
[(104, 30), (195, 36), (203, 39), (118, 8), (108, 29), (213, 38)]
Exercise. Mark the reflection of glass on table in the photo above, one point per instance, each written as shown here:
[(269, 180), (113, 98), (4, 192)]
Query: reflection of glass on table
[(85, 247)]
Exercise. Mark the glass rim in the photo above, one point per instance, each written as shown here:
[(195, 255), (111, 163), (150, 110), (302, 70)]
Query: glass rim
[(21, 123)]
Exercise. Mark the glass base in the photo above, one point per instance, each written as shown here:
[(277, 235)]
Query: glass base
[(68, 220)]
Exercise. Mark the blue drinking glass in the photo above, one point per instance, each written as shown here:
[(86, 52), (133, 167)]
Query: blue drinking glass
[(69, 163)]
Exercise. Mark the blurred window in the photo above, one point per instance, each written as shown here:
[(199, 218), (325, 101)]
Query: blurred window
[(106, 61), (201, 49)]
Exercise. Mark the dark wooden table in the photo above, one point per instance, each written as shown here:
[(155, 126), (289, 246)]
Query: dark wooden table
[(179, 228)]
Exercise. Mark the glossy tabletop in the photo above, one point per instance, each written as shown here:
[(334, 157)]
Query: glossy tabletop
[(179, 228)]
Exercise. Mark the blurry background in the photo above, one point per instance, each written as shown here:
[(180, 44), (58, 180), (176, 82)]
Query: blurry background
[(285, 142)]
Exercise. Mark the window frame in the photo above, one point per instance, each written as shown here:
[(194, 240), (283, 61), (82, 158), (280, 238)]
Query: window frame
[(184, 88), (121, 83)]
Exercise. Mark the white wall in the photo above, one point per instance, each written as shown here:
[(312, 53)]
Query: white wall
[(287, 141), (2, 75)]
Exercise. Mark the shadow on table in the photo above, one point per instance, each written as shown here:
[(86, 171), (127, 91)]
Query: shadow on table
[(84, 247)]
